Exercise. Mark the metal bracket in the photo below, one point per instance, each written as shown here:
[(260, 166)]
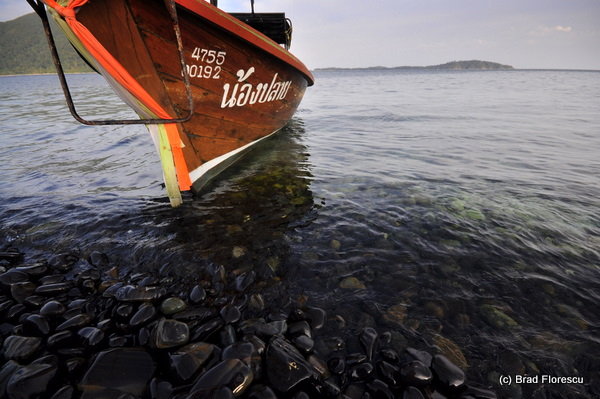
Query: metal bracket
[(40, 9)]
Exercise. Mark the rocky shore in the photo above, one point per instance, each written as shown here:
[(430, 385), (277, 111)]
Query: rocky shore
[(82, 328)]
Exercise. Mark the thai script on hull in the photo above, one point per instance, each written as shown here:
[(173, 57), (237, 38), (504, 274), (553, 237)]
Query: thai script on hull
[(246, 93)]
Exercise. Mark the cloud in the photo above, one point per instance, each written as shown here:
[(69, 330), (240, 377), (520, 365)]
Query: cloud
[(566, 29), (542, 31)]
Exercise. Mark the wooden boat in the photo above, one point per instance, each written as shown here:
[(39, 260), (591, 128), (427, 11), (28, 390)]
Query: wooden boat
[(243, 86)]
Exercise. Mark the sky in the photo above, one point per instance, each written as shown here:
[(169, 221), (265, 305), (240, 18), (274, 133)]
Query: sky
[(562, 34)]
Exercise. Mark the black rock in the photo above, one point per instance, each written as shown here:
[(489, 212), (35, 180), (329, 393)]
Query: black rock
[(421, 356), (299, 328), (286, 367), (315, 316), (380, 390), (130, 293), (123, 311), (20, 348), (197, 295), (244, 280), (60, 339), (389, 355), (75, 365), (77, 321), (13, 276), (30, 381), (230, 373), (230, 314), (34, 324), (449, 374), (172, 305), (261, 392), (169, 333), (368, 338), (478, 393), (92, 336), (65, 392), (160, 389), (416, 373), (15, 310), (53, 289), (198, 314), (6, 371), (36, 270), (263, 329), (412, 393), (144, 314), (228, 335), (205, 330), (355, 358), (124, 370), (34, 301), (243, 351), (62, 262), (118, 341), (98, 259), (304, 343), (389, 372), (187, 360), (361, 371), (259, 344), (336, 365), (20, 291)]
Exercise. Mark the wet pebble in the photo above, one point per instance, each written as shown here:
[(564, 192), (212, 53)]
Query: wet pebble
[(449, 374), (169, 333), (30, 381), (92, 336), (124, 370), (20, 348), (230, 314), (172, 305), (230, 373), (143, 315), (197, 294), (280, 355), (187, 360), (76, 321)]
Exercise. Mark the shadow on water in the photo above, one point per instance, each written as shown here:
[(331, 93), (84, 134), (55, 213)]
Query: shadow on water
[(242, 222)]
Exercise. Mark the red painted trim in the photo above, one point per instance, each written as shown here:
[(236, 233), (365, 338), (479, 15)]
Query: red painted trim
[(240, 29)]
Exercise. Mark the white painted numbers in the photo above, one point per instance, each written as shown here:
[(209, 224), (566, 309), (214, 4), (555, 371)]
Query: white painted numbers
[(209, 66)]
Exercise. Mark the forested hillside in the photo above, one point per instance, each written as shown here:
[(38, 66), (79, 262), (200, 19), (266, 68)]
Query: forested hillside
[(24, 48)]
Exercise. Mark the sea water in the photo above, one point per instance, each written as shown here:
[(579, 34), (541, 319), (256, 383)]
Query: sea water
[(458, 210)]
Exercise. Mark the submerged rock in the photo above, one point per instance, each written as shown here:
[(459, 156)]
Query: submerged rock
[(230, 373), (120, 371), (186, 361), (352, 283), (286, 367), (172, 305), (449, 374), (20, 348), (169, 333), (30, 381)]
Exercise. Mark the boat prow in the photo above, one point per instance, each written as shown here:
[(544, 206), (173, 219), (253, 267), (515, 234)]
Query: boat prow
[(228, 85)]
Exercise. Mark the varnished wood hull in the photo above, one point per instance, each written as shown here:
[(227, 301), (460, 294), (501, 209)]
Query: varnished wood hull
[(244, 86)]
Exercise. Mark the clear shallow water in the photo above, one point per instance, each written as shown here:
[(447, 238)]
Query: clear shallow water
[(465, 205)]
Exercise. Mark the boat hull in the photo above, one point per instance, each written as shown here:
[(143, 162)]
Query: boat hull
[(244, 86)]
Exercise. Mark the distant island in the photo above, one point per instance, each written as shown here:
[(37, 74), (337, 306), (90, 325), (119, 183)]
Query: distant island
[(472, 65)]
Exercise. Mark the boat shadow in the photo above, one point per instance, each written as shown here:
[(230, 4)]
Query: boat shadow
[(244, 220)]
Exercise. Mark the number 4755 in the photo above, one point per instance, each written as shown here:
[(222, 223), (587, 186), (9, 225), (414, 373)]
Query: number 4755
[(209, 56)]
